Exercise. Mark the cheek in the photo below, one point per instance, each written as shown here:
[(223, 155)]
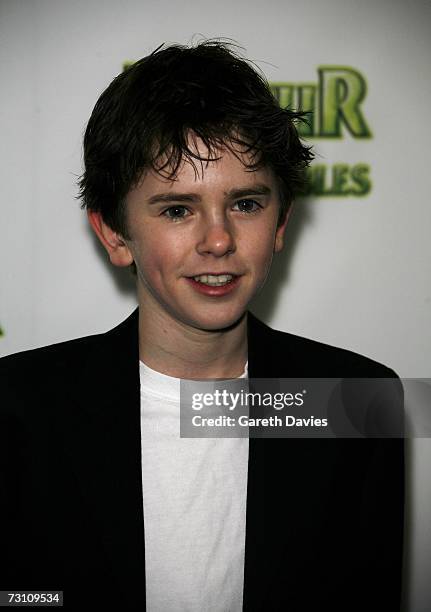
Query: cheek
[(260, 247), (144, 253), (265, 262), (155, 256)]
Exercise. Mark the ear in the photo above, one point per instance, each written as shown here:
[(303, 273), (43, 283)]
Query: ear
[(279, 235), (118, 251)]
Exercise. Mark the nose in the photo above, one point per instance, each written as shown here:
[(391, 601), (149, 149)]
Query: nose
[(217, 239)]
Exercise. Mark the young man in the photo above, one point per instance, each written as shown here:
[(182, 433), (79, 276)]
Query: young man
[(190, 171)]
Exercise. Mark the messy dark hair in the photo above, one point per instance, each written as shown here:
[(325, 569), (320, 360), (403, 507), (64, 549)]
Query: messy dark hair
[(145, 117)]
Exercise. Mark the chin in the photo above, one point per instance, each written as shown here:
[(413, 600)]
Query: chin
[(218, 323)]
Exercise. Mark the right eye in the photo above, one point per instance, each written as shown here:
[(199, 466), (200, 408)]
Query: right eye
[(176, 213)]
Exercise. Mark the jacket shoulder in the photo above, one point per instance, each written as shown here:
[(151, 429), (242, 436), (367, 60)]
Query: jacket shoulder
[(68, 353), (293, 355), (58, 354), (334, 354)]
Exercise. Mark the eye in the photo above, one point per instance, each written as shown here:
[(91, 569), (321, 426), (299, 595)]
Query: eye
[(247, 206), (176, 213)]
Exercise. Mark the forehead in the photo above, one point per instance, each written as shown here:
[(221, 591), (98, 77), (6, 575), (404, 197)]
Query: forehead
[(222, 169)]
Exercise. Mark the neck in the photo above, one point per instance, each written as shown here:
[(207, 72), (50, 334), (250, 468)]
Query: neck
[(176, 349)]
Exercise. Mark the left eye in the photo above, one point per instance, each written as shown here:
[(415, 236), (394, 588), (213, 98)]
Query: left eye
[(247, 206)]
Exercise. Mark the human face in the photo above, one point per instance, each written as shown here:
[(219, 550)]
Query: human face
[(220, 222)]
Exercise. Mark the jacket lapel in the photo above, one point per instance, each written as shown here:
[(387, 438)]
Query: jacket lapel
[(254, 566), (105, 418)]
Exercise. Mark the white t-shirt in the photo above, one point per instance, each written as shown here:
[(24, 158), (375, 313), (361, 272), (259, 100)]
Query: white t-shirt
[(194, 493)]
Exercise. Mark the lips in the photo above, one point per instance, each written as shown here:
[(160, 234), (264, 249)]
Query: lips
[(214, 280), (214, 285)]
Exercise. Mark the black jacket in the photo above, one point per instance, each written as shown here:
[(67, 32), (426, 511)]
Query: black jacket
[(324, 516)]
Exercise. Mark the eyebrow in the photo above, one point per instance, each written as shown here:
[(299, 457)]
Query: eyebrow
[(232, 194)]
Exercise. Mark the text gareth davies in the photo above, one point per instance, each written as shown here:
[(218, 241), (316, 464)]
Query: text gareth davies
[(245, 421)]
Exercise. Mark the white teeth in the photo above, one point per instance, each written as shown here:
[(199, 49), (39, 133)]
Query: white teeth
[(212, 280)]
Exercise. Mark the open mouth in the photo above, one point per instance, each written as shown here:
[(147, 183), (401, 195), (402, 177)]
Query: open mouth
[(214, 280)]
